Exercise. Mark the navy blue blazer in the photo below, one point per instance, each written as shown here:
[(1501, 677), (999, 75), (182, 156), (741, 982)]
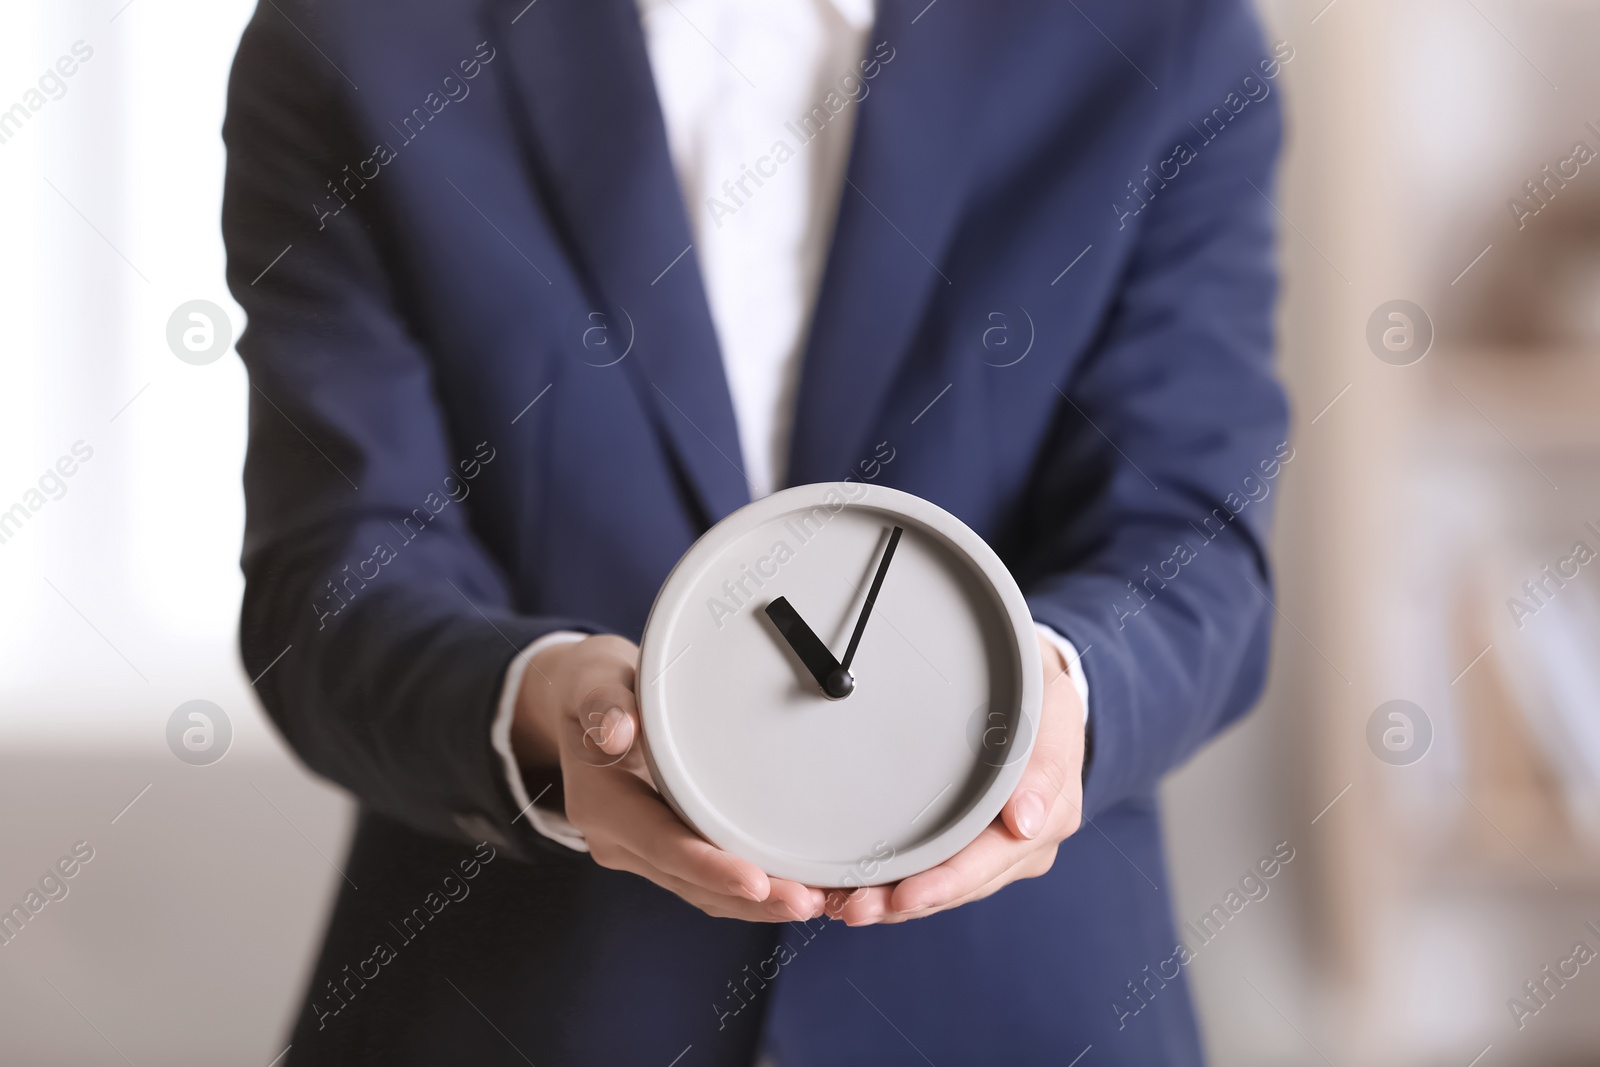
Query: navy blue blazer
[(1048, 300)]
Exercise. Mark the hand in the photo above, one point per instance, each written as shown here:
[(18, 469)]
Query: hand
[(577, 708), (1045, 810)]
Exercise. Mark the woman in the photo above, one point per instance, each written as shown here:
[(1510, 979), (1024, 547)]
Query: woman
[(539, 292)]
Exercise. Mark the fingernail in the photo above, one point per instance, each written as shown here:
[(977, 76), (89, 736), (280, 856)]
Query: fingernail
[(1030, 813), (783, 910), (610, 723), (740, 888)]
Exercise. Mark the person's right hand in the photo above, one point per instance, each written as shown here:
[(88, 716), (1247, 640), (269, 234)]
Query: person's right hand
[(577, 708)]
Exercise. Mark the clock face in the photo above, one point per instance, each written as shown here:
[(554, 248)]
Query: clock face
[(820, 754)]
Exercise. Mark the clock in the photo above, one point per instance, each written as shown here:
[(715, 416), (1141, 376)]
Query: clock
[(841, 683)]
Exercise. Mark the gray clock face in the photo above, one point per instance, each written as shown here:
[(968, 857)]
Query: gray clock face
[(904, 770)]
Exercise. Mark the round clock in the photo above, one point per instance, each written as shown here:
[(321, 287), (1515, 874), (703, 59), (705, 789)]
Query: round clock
[(840, 683)]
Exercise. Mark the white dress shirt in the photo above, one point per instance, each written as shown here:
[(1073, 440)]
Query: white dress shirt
[(734, 79)]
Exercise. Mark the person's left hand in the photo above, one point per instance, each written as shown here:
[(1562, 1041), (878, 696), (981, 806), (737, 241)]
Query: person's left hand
[(1045, 810)]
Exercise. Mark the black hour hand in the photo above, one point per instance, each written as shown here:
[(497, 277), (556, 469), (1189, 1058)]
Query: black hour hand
[(835, 681)]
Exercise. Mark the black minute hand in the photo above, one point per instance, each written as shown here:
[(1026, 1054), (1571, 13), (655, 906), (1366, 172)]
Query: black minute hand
[(834, 679), (872, 597)]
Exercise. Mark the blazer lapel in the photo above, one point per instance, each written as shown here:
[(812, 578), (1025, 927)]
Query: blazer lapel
[(582, 75), (907, 179)]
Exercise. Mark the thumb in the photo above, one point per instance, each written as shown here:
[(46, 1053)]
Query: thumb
[(604, 728), (1053, 775), (1029, 808)]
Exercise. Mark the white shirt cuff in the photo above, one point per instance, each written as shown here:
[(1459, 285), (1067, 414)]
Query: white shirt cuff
[(1069, 652), (551, 825)]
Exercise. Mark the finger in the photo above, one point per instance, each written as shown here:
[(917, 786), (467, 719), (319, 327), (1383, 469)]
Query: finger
[(769, 911), (802, 901), (1054, 767), (637, 823), (614, 733), (787, 900), (602, 730), (1029, 810), (994, 850), (840, 900), (989, 888), (624, 815), (719, 905), (860, 906), (1032, 864)]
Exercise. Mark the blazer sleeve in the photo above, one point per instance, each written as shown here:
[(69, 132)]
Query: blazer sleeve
[(394, 625), (1153, 496)]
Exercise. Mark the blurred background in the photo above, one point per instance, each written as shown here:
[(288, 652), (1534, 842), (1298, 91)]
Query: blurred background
[(1440, 334)]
